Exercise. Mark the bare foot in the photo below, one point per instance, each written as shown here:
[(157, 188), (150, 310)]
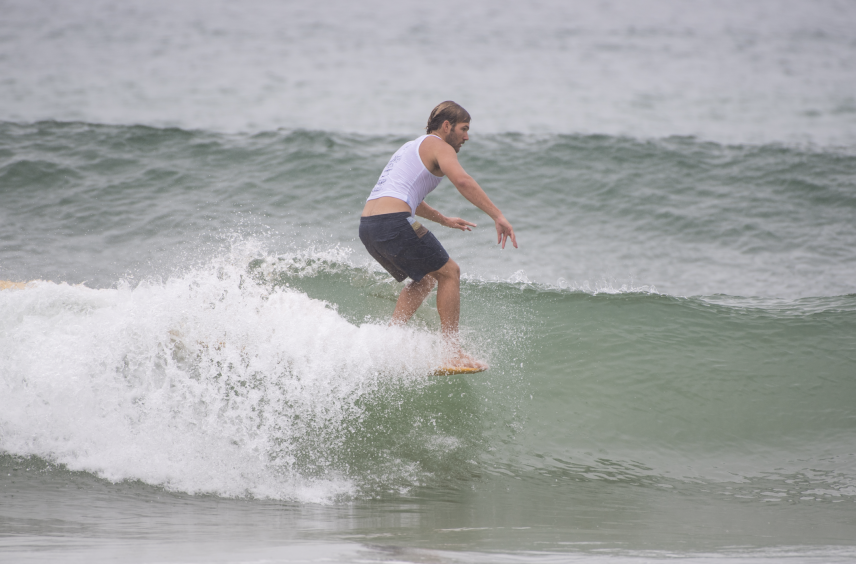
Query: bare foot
[(463, 360)]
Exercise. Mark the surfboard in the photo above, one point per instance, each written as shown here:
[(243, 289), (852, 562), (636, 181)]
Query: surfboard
[(9, 285), (452, 370)]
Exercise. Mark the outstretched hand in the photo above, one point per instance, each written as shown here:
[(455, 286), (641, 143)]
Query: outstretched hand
[(458, 223), (504, 231)]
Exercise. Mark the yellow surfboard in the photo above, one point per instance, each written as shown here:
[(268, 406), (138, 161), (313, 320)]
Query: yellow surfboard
[(9, 285), (452, 370)]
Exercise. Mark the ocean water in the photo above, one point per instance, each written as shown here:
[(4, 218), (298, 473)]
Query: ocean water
[(195, 362)]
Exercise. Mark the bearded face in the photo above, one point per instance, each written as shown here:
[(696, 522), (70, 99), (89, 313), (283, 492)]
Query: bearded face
[(457, 136)]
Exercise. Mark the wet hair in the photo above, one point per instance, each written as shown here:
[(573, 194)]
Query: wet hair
[(447, 110)]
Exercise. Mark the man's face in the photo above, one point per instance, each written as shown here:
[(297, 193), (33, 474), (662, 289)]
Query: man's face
[(458, 136)]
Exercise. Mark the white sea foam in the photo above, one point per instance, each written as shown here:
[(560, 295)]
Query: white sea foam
[(206, 382)]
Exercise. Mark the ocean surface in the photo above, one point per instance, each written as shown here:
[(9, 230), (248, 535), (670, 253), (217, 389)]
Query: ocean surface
[(195, 361)]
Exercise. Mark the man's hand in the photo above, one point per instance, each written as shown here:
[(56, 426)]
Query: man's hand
[(458, 223), (504, 231)]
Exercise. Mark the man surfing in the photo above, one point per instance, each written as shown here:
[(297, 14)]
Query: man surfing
[(403, 246)]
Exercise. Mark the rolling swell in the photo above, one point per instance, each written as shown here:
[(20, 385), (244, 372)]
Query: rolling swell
[(690, 389), (683, 216), (280, 380)]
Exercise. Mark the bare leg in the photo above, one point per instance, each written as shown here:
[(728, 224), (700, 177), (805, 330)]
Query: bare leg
[(449, 299), (410, 299), (449, 308)]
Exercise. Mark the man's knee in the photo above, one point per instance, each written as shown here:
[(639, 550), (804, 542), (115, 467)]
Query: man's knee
[(428, 281), (450, 270)]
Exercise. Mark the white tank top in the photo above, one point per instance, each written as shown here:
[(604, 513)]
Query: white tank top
[(405, 177)]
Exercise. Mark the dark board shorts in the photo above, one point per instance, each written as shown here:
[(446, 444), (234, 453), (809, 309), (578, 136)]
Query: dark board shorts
[(401, 248)]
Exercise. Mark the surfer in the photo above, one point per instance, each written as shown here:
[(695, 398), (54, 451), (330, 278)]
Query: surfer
[(403, 246)]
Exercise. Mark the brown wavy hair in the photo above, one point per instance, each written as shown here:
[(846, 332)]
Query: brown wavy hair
[(447, 110)]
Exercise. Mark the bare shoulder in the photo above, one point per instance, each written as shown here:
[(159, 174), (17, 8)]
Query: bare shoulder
[(432, 144), (440, 150), (435, 153)]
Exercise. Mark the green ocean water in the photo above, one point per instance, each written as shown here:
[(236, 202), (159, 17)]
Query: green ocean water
[(204, 358)]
